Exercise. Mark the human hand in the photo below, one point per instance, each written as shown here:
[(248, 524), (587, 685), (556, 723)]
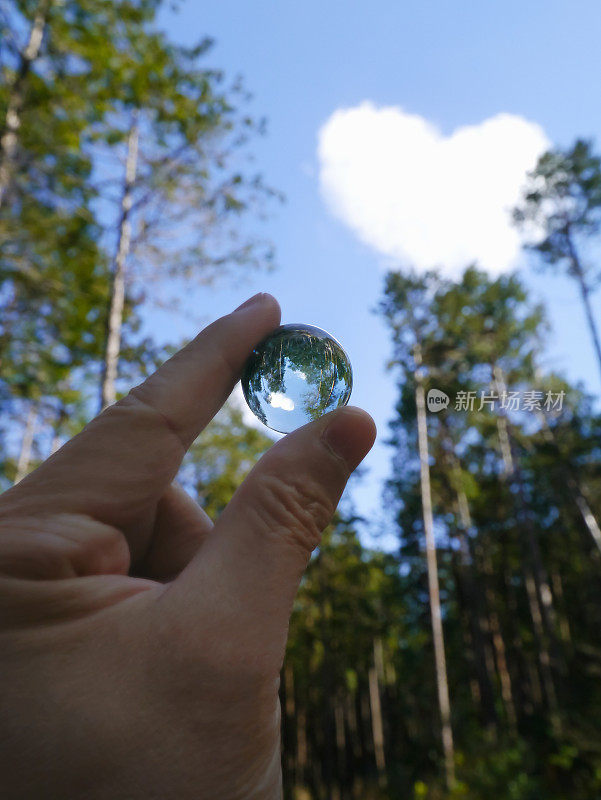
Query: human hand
[(163, 685)]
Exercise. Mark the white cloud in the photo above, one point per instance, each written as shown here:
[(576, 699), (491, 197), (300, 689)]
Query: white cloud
[(418, 196), (279, 400), (236, 398)]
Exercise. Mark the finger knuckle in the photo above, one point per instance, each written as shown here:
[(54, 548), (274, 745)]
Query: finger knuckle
[(61, 546)]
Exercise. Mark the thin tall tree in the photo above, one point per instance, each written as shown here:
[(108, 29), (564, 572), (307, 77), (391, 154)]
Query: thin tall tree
[(172, 153), (9, 129), (560, 214), (407, 310)]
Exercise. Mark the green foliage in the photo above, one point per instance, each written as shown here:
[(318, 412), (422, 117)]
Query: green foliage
[(68, 100), (522, 524), (561, 215), (220, 459), (192, 185), (562, 203)]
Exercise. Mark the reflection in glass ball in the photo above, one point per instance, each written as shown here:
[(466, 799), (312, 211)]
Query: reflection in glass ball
[(295, 375)]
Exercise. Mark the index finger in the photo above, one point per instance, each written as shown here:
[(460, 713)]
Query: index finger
[(122, 461)]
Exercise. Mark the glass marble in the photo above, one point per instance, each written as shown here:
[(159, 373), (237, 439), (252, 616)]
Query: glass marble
[(295, 375)]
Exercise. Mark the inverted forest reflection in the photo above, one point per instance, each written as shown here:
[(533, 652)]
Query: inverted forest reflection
[(295, 375)]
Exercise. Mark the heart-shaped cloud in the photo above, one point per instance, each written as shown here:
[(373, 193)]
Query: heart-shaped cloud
[(420, 197)]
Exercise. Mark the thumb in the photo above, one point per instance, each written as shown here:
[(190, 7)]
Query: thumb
[(263, 540)]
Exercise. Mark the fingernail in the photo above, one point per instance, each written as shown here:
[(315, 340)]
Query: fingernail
[(350, 436), (250, 302)]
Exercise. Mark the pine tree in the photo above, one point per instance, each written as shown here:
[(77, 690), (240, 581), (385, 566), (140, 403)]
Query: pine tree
[(561, 212)]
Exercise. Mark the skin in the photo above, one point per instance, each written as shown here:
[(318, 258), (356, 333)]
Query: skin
[(141, 645)]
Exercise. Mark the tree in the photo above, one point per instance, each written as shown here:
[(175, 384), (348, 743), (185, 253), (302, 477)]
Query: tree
[(171, 149), (54, 289), (59, 61), (405, 308), (83, 84), (55, 68), (221, 457), (512, 545), (102, 110), (561, 209), (15, 99), (343, 644)]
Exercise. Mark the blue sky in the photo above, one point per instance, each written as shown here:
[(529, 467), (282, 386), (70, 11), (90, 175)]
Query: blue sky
[(453, 65)]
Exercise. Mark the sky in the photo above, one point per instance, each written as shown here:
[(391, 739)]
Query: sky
[(400, 132)]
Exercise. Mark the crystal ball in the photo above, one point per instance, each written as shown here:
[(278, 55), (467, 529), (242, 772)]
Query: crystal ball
[(295, 375)]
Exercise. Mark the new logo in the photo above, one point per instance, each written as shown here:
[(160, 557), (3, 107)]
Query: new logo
[(437, 400)]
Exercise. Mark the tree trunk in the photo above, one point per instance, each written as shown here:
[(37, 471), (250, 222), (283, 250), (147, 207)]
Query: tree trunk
[(12, 120), (326, 734), (564, 625), (341, 743), (518, 657), (26, 443), (543, 650), (575, 490), (535, 687), (355, 739), (470, 590), (540, 598), (578, 272), (499, 384), (55, 443), (117, 300), (482, 664), (499, 648), (61, 416), (365, 722), (585, 511), (436, 616), (377, 724), (301, 746), (288, 709), (543, 590), (585, 292)]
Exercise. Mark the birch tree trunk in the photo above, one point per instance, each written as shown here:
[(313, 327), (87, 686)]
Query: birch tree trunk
[(117, 300), (26, 443), (12, 121), (435, 612)]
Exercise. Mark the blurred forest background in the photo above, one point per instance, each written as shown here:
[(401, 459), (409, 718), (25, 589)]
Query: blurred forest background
[(467, 664)]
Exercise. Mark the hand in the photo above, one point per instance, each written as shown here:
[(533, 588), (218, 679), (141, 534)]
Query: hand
[(163, 685)]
